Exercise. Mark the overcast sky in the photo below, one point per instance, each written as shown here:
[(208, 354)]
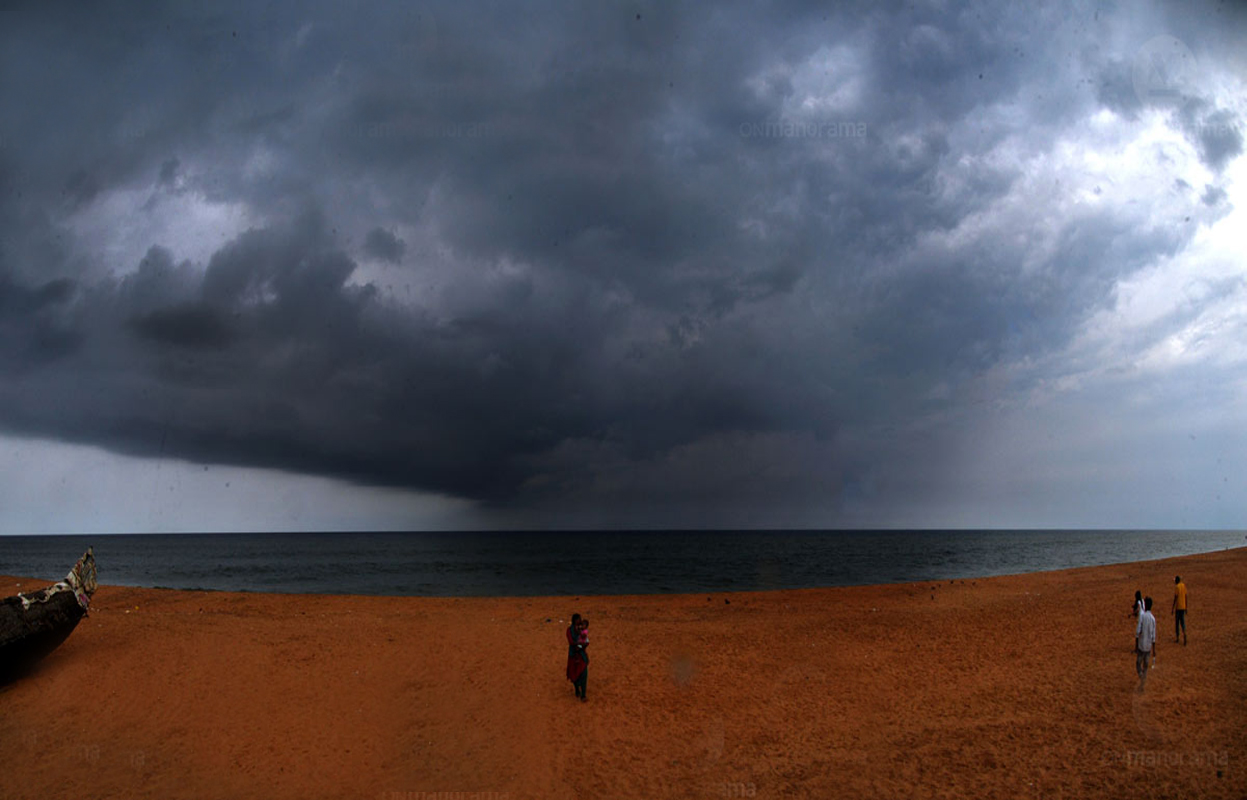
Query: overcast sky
[(313, 266)]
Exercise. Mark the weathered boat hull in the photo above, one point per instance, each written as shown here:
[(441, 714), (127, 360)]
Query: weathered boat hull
[(27, 636), (34, 624)]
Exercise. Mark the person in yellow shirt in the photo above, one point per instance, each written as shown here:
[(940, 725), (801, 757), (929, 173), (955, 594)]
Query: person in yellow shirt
[(1179, 608)]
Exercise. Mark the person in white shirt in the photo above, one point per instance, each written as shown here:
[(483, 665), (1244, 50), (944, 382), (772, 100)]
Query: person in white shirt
[(1144, 641)]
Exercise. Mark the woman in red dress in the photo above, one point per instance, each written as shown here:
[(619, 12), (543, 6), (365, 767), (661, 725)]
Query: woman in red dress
[(577, 659)]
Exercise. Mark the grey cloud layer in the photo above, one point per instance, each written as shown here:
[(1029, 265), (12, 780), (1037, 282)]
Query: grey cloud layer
[(637, 292)]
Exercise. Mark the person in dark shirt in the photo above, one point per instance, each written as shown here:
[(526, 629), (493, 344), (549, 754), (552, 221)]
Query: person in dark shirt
[(578, 657)]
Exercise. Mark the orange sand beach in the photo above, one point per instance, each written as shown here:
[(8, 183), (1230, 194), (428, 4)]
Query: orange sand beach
[(1020, 686)]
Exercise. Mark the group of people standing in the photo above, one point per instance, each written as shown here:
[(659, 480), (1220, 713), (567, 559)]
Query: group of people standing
[(1145, 628), (1144, 638)]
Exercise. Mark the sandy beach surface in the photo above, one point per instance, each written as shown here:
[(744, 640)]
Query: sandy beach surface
[(1015, 687)]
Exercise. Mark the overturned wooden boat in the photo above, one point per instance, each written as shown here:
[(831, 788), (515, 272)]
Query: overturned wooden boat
[(33, 624)]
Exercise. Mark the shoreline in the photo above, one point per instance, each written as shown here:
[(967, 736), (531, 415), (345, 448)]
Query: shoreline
[(1020, 685), (7, 583)]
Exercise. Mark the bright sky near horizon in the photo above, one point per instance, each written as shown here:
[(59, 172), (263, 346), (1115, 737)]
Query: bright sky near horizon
[(294, 266)]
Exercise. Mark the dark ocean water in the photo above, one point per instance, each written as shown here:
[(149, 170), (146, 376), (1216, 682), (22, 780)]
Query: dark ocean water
[(550, 563)]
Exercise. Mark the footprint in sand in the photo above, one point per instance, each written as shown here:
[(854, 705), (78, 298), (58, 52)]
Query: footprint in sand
[(712, 739), (683, 668), (1143, 709)]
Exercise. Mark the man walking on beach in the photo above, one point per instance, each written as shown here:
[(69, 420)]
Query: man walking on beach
[(1179, 608), (1144, 641)]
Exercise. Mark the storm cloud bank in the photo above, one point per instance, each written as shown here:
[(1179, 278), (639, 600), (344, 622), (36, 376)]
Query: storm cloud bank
[(644, 262)]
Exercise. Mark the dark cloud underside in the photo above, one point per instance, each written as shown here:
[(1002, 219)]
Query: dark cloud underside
[(656, 254)]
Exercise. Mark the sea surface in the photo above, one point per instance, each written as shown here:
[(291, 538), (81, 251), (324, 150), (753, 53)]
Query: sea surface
[(564, 563)]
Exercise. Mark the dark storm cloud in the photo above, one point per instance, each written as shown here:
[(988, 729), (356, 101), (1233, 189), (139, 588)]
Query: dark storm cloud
[(1213, 195), (190, 325), (31, 324), (169, 171), (384, 245), (1220, 138), (644, 240)]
